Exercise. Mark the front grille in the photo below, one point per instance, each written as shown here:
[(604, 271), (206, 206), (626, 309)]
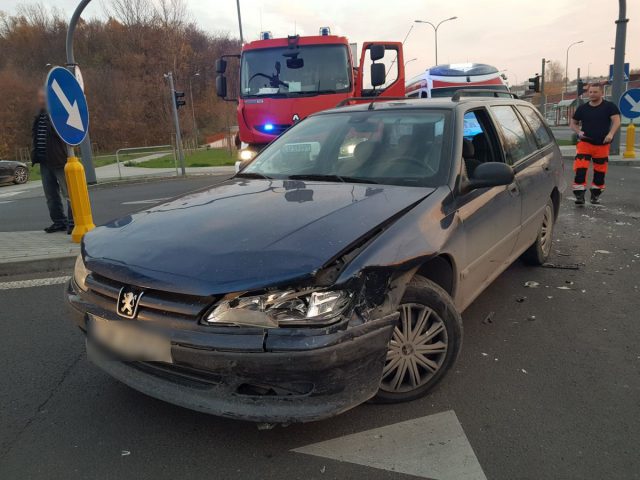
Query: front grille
[(153, 304)]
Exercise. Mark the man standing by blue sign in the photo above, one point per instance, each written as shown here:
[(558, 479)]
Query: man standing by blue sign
[(50, 152), (595, 123)]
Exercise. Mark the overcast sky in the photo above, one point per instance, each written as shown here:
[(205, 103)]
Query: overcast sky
[(510, 34)]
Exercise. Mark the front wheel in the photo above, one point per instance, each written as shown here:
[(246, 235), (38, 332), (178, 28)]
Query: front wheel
[(425, 343), (538, 253), (20, 175)]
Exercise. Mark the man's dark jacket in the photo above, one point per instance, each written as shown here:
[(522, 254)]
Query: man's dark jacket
[(56, 156)]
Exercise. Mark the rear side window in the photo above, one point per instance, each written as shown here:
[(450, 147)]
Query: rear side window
[(537, 127), (517, 144)]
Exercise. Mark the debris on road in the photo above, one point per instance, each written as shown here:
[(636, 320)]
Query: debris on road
[(564, 287), (489, 318), (520, 299), (567, 266), (531, 284), (524, 371), (603, 252), (125, 453), (531, 318)]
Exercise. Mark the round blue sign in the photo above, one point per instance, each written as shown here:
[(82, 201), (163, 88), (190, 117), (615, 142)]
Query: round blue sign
[(67, 106), (630, 103)]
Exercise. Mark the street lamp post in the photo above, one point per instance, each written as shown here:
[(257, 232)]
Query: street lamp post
[(409, 61), (193, 108), (566, 66), (85, 146), (435, 31)]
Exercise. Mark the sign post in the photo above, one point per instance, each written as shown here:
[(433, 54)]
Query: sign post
[(69, 115), (630, 108)]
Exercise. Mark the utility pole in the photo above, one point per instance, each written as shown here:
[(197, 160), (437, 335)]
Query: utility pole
[(193, 107), (618, 65), (578, 92), (240, 22), (85, 146), (543, 96), (176, 121)]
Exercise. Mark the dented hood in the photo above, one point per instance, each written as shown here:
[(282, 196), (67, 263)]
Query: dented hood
[(243, 234)]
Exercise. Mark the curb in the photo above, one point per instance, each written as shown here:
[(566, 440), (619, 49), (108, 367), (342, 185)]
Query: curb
[(156, 178), (37, 265)]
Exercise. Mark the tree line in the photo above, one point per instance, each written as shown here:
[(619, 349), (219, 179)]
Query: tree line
[(123, 58)]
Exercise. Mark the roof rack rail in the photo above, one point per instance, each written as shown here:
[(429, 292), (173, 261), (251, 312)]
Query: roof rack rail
[(346, 101), (489, 93)]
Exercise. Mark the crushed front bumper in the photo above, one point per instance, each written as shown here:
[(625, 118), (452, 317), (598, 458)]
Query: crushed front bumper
[(315, 377)]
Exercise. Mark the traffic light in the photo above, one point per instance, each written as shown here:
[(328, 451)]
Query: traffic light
[(178, 97), (580, 86), (534, 83)]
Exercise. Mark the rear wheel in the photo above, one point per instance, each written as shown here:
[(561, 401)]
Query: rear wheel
[(425, 343), (20, 175), (538, 253)]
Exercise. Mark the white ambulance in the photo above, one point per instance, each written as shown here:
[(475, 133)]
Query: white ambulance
[(444, 80)]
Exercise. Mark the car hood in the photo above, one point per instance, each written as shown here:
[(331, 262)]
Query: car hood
[(243, 234)]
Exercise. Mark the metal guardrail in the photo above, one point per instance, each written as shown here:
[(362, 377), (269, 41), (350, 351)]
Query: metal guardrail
[(155, 148)]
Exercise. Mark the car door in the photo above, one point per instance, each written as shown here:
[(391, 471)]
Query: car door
[(6, 172), (535, 175), (490, 217)]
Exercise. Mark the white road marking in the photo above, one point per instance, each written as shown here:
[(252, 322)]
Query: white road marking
[(429, 447), (11, 194), (145, 202), (36, 282), (6, 201)]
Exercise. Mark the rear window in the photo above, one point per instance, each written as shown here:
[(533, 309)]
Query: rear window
[(537, 126)]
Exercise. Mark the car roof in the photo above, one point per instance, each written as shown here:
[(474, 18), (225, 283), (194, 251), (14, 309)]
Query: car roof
[(423, 104)]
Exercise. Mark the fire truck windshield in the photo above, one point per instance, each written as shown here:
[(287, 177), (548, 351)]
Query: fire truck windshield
[(285, 72)]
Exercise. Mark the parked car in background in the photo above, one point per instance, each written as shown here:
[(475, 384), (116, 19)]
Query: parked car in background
[(332, 269), (12, 171)]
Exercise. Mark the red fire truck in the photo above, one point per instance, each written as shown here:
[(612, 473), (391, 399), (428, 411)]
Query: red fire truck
[(282, 80)]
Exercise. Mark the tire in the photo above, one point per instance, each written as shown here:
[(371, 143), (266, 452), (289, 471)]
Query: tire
[(538, 253), (429, 309), (20, 175)]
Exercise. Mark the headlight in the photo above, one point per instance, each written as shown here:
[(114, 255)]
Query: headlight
[(285, 308), (246, 154), (80, 274)]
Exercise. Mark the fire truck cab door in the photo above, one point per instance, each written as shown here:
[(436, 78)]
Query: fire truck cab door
[(393, 61)]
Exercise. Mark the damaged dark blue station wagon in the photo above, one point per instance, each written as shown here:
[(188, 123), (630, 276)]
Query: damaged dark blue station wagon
[(332, 269)]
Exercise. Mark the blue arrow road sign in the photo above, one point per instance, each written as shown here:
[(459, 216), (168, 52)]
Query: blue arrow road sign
[(67, 106), (630, 103)]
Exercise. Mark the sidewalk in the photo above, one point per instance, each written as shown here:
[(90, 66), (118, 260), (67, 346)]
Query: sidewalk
[(110, 172), (569, 153), (28, 252)]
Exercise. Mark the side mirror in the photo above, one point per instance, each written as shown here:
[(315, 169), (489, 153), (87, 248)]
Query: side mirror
[(221, 65), (378, 74), (490, 174), (221, 86), (376, 52)]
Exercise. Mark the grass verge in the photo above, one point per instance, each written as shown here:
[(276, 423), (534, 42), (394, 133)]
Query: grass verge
[(214, 157)]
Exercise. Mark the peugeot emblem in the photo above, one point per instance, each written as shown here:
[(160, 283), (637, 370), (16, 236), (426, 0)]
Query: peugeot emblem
[(128, 301)]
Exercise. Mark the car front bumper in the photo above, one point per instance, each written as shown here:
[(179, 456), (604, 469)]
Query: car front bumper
[(315, 377)]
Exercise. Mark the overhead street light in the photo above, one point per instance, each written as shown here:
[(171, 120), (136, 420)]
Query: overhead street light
[(566, 66), (409, 61), (435, 30)]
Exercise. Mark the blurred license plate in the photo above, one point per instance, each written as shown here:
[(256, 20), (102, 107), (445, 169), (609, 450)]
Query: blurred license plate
[(127, 340)]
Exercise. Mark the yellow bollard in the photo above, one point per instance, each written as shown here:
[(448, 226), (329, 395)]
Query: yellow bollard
[(630, 151), (79, 196)]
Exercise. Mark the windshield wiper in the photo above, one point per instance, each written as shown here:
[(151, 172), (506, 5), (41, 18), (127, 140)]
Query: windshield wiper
[(252, 175), (330, 178)]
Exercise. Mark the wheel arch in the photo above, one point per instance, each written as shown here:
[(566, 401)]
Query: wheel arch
[(440, 270)]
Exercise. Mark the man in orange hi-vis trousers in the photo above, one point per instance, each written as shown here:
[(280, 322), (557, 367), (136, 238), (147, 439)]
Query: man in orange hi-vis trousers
[(595, 123)]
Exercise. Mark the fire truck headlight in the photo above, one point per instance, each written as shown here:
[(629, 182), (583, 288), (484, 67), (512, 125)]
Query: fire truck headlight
[(246, 155)]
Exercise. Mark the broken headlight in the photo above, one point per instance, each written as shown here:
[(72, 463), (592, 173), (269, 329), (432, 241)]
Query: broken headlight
[(80, 274), (284, 308)]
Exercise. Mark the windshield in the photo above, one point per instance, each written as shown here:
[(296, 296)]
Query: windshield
[(389, 147), (313, 69)]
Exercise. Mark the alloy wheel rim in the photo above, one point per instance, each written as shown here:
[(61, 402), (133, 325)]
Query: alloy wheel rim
[(20, 175), (546, 230), (417, 349)]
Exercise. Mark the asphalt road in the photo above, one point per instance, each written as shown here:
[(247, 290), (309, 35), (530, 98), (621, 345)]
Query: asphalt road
[(549, 389), (24, 208)]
